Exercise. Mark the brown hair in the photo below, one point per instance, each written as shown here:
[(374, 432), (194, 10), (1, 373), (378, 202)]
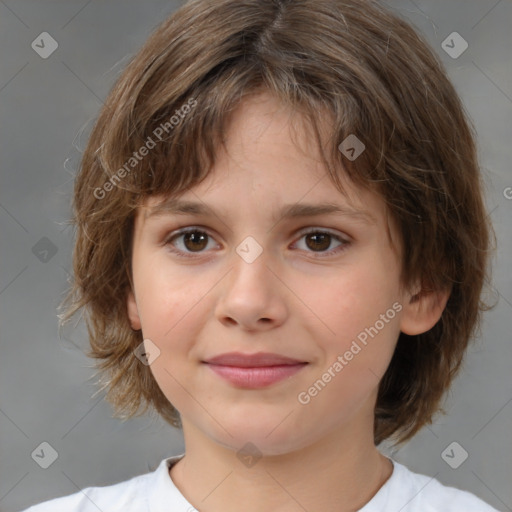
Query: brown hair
[(349, 62)]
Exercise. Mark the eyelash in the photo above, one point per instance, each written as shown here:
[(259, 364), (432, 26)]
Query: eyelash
[(194, 229)]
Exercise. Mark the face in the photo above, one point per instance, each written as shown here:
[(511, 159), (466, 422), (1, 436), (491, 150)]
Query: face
[(319, 289)]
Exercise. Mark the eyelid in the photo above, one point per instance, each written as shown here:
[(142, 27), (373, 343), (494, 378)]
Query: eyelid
[(176, 233), (316, 229), (186, 229)]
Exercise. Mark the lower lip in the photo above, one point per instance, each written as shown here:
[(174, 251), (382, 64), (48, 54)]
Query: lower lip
[(256, 377)]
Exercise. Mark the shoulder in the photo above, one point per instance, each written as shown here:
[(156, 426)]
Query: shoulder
[(123, 496), (421, 493)]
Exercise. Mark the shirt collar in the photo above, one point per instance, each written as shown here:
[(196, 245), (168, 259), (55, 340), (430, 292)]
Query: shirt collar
[(163, 495)]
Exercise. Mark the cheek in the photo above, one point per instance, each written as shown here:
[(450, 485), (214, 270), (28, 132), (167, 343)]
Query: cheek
[(173, 307), (349, 300), (355, 361), (168, 294), (355, 315)]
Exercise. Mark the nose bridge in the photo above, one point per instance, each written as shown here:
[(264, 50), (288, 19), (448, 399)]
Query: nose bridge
[(250, 262), (250, 292)]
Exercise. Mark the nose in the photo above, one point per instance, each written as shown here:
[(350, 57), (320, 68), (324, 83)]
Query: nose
[(252, 296)]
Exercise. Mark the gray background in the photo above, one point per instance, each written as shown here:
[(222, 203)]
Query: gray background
[(46, 390)]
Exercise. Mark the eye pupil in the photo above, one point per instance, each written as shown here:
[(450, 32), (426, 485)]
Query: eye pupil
[(196, 241), (195, 237), (323, 239)]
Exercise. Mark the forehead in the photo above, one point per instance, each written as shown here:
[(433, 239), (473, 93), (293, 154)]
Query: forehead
[(271, 163)]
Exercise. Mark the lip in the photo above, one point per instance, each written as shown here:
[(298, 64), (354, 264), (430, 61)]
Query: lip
[(259, 359), (252, 371)]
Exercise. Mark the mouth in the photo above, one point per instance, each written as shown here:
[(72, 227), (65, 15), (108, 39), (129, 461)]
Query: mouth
[(252, 371)]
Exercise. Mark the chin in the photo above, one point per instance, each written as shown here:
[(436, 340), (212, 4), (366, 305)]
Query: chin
[(265, 438)]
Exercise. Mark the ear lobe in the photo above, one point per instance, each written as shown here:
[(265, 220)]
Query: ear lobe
[(133, 311), (423, 311)]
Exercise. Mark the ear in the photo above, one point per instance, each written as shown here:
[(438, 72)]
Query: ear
[(133, 311), (423, 310)]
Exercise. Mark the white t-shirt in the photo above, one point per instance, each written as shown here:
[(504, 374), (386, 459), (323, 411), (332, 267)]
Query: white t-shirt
[(404, 491)]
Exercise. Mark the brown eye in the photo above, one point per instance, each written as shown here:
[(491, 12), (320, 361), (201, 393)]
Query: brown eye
[(318, 241), (188, 241), (195, 240), (192, 242)]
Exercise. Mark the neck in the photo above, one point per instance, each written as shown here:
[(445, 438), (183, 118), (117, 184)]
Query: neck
[(340, 473)]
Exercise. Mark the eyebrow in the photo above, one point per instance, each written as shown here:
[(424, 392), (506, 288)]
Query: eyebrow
[(289, 211)]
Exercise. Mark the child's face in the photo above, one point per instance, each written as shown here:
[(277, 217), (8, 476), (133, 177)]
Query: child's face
[(302, 297)]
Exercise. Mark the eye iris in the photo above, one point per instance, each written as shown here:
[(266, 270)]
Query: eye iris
[(323, 239), (195, 237), (197, 240)]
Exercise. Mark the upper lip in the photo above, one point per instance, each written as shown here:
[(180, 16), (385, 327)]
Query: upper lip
[(252, 360)]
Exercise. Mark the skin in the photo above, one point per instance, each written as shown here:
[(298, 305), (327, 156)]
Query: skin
[(294, 299)]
